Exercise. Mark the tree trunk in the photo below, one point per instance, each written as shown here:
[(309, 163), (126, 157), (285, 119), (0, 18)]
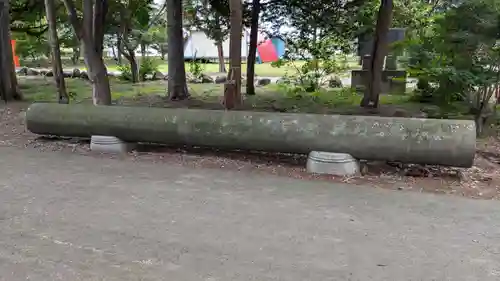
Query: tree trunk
[(384, 20), (8, 81), (62, 95), (129, 54), (75, 56), (98, 76), (114, 52), (134, 68), (177, 87), (143, 50), (252, 51), (220, 53), (232, 89), (119, 47), (90, 31), (99, 23)]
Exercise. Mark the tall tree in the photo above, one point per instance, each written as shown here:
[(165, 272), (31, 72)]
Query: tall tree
[(127, 44), (62, 95), (90, 31), (232, 89), (177, 87), (252, 51), (207, 17), (8, 80), (379, 51)]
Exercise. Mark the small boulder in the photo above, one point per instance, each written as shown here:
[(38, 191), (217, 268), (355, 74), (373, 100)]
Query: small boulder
[(84, 75), (67, 74), (283, 80), (193, 80), (114, 73), (157, 75), (399, 112), (206, 79), (263, 81), (335, 82), (76, 73), (22, 71), (32, 72), (220, 79)]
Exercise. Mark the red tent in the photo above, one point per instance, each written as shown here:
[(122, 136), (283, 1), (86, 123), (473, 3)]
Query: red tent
[(267, 51)]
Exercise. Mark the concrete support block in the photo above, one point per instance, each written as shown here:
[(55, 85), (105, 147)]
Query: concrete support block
[(337, 164), (393, 81), (109, 144)]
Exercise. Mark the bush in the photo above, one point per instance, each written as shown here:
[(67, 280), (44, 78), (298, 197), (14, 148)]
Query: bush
[(196, 68), (126, 72), (148, 67)]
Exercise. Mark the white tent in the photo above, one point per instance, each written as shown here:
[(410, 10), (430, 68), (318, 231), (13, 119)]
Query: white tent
[(199, 46)]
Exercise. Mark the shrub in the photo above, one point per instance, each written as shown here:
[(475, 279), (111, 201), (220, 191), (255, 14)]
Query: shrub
[(126, 72), (148, 67)]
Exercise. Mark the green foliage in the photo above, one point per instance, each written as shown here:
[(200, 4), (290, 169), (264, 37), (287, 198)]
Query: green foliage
[(458, 59), (459, 54), (211, 17), (148, 67), (31, 46), (196, 68), (126, 72), (158, 38), (314, 72)]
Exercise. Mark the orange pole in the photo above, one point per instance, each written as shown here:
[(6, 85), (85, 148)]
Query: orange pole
[(16, 58)]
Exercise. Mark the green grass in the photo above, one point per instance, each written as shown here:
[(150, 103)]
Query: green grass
[(269, 98), (264, 69)]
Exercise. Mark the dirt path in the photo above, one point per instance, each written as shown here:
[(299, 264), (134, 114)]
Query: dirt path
[(70, 217)]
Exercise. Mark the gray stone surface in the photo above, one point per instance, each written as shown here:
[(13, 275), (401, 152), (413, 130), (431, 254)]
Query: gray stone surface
[(109, 144), (69, 217), (420, 141), (337, 164), (393, 81)]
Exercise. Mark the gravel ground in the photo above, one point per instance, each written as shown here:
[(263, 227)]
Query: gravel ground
[(482, 181), (69, 217)]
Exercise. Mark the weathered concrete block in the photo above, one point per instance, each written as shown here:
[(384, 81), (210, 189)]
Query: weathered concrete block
[(337, 164), (391, 62), (365, 62), (393, 81), (109, 144)]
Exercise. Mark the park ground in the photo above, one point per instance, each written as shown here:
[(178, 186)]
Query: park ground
[(265, 69), (69, 217), (69, 214)]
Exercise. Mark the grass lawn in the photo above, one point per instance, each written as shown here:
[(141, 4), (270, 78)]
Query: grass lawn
[(208, 96), (264, 69)]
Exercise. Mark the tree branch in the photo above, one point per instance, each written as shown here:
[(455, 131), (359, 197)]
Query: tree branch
[(73, 18), (100, 11)]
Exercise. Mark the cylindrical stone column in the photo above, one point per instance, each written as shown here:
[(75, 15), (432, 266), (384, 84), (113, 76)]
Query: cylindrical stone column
[(424, 141)]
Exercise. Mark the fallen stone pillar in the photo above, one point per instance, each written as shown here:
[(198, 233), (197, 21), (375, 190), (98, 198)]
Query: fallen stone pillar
[(419, 141)]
